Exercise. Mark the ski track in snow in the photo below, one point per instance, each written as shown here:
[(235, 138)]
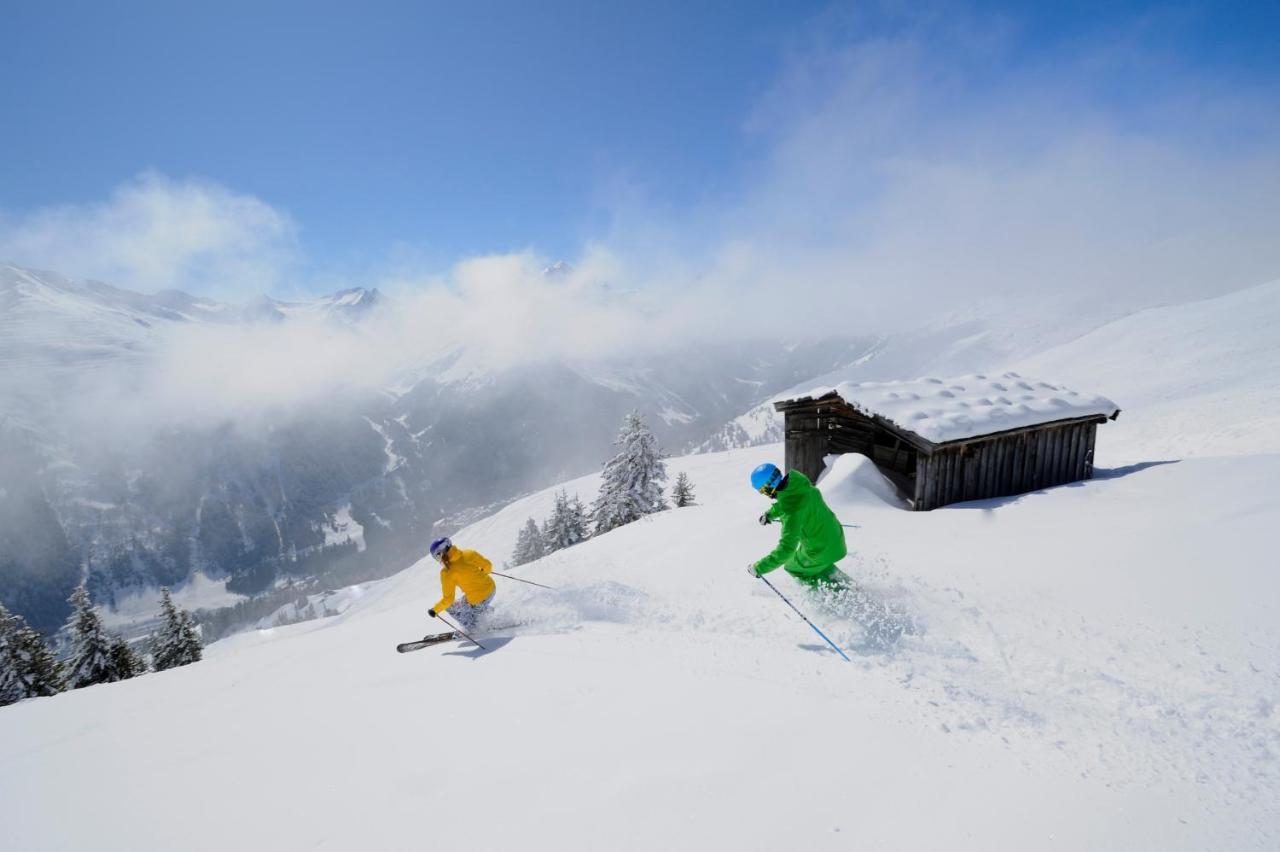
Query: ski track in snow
[(1115, 696), (1107, 708), (1136, 721), (1120, 698)]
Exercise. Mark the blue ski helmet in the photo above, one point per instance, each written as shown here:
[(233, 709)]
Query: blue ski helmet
[(439, 546), (765, 479)]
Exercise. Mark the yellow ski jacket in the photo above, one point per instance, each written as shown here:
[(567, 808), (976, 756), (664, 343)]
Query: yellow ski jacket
[(466, 570)]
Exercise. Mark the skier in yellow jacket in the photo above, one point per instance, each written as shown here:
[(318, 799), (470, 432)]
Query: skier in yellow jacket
[(466, 570)]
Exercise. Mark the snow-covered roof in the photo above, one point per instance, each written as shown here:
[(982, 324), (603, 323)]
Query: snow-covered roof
[(943, 410)]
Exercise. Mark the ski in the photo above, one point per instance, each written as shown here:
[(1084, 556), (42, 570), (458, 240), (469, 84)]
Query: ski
[(425, 641)]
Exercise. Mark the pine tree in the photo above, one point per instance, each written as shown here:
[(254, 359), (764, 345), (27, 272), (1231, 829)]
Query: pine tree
[(682, 492), (177, 643), (28, 668), (632, 483), (124, 660), (90, 660), (567, 525), (553, 532), (579, 524), (9, 687), (529, 544)]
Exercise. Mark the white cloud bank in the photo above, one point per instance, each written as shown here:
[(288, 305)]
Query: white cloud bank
[(156, 233)]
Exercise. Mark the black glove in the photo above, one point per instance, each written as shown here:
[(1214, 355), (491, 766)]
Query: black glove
[(765, 520), (431, 612)]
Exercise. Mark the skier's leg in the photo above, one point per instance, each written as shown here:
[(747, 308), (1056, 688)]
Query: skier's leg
[(831, 589), (813, 580), (480, 611), (467, 614), (464, 614)]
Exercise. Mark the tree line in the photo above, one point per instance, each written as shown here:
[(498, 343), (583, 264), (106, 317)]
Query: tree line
[(30, 669), (630, 488)]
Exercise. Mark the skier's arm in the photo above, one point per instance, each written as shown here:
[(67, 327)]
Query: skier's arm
[(787, 543), (450, 588), (773, 513)]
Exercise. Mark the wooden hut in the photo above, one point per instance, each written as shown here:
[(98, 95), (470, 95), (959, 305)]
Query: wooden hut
[(943, 441)]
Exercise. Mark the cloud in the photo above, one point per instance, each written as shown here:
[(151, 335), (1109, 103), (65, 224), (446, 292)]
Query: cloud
[(924, 164), (481, 315), (157, 233)]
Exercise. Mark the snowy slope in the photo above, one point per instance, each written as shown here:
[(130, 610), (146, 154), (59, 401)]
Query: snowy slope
[(1090, 667), (1193, 379), (1196, 379)]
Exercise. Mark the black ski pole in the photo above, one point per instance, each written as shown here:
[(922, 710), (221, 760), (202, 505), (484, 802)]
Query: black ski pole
[(522, 580), (459, 630), (806, 620)]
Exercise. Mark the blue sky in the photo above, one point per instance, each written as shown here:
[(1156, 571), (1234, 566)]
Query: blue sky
[(440, 131), (461, 127)]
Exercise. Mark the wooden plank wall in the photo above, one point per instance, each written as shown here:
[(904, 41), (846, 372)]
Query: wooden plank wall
[(999, 467), (807, 443)]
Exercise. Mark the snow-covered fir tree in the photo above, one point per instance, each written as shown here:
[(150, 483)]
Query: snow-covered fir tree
[(553, 528), (90, 661), (28, 668), (682, 492), (126, 662), (177, 643), (9, 691), (632, 484), (579, 521), (529, 544), (568, 524)]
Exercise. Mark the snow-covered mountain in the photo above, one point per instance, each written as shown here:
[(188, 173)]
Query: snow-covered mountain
[(37, 300), (350, 305), (339, 484), (48, 321), (1091, 666)]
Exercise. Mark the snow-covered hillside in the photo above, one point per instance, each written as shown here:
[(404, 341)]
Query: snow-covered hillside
[(1089, 667), (1095, 666)]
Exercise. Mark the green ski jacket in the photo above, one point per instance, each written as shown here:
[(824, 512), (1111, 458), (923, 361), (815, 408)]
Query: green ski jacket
[(812, 539)]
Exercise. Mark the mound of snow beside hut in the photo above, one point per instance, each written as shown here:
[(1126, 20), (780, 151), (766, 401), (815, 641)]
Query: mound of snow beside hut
[(854, 479)]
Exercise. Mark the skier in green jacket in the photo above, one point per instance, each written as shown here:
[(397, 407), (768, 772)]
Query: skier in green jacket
[(812, 539)]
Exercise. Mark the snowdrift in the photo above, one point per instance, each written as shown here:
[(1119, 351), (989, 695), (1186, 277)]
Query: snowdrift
[(853, 479)]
